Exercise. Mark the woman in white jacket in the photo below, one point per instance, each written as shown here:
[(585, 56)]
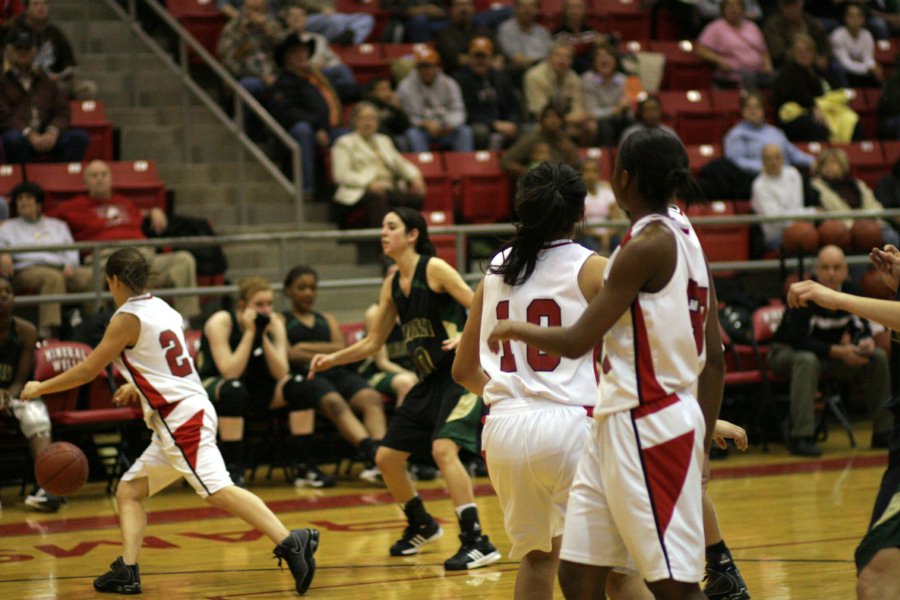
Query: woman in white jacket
[(372, 177)]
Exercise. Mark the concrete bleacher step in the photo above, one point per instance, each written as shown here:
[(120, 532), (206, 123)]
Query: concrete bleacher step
[(175, 173), (138, 116)]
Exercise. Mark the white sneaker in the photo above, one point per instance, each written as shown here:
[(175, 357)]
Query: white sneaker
[(371, 475)]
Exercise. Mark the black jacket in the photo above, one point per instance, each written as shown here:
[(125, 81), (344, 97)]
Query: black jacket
[(294, 99), (488, 100)]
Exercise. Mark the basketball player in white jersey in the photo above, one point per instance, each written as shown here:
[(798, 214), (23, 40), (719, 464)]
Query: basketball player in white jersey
[(637, 491), (538, 422), (146, 341)]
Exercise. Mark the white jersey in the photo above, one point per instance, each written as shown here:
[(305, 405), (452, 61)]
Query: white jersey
[(657, 347), (159, 365), (551, 297)]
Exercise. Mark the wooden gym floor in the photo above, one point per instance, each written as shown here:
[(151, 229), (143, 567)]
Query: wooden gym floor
[(792, 525)]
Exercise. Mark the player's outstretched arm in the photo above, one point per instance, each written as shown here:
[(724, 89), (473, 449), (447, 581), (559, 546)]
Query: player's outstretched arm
[(467, 370), (123, 331), (886, 312)]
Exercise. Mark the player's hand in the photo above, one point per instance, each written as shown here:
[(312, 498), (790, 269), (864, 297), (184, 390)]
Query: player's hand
[(127, 394), (450, 344), (729, 431), (803, 292), (503, 330), (866, 347), (320, 362), (887, 260), (31, 390), (248, 320)]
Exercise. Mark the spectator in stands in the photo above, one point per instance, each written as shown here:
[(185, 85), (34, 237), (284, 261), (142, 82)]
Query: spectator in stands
[(55, 55), (790, 21), (549, 131), (34, 113), (339, 392), (811, 341), (414, 21), (735, 46), (247, 44), (804, 112), (453, 41), (232, 8), (243, 362), (323, 57), (777, 190), (574, 28), (101, 215), (340, 28), (392, 120), (522, 40), (888, 189), (839, 191), (889, 106), (41, 271), (605, 97), (434, 103), (490, 98), (553, 79), (649, 116), (305, 104), (16, 364), (854, 48), (599, 206), (370, 174), (885, 18)]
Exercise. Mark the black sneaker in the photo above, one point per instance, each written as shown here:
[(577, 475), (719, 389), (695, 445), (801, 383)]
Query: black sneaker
[(311, 476), (473, 554), (297, 550), (40, 500), (120, 579), (724, 583), (805, 446), (416, 536)]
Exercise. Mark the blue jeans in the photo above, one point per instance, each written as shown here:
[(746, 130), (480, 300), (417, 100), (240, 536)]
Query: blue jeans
[(70, 146), (459, 140), (306, 137), (331, 26)]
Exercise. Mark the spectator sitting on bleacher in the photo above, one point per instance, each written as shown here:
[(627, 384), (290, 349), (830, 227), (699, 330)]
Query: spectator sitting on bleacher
[(605, 97), (574, 28), (549, 131), (736, 47), (599, 205), (491, 103), (553, 79), (791, 20), (649, 116), (55, 55), (453, 41), (889, 106), (523, 41), (888, 189), (392, 120), (232, 8), (323, 57), (370, 173), (34, 113), (341, 392), (17, 340), (247, 44), (44, 271), (777, 190), (839, 191), (413, 21), (305, 104), (854, 48), (101, 215), (338, 28), (434, 103)]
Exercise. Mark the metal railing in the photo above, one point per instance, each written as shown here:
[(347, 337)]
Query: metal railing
[(243, 102), (462, 234)]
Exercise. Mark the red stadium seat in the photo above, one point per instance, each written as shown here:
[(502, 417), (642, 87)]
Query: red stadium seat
[(367, 61), (727, 103), (665, 27), (865, 105), (353, 332), (684, 69), (138, 180), (90, 115), (814, 148), (696, 121), (721, 242), (444, 243), (624, 18), (886, 52), (60, 181), (10, 177), (891, 150), (202, 19), (605, 158), (484, 187), (394, 51), (700, 155), (867, 161), (439, 195)]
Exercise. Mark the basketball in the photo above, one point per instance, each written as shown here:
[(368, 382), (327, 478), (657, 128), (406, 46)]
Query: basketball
[(871, 285), (800, 237), (61, 468), (835, 232), (867, 235)]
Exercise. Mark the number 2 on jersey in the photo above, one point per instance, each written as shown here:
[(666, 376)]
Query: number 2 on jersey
[(179, 362), (541, 311)]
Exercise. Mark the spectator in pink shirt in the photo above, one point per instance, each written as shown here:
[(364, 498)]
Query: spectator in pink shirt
[(737, 48)]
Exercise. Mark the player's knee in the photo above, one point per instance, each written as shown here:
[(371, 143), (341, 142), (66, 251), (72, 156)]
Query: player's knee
[(129, 491), (385, 458), (444, 451), (34, 421), (298, 394), (234, 399), (367, 398)]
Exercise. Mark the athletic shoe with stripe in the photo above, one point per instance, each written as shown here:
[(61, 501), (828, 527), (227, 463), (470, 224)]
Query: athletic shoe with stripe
[(309, 475), (120, 579), (416, 536), (479, 552), (297, 549), (724, 582)]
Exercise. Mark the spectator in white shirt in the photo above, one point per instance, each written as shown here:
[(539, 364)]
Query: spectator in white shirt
[(854, 48), (777, 190)]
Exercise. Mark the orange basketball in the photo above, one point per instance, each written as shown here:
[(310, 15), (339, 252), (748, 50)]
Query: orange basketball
[(800, 237), (867, 235), (835, 232), (61, 468), (873, 286)]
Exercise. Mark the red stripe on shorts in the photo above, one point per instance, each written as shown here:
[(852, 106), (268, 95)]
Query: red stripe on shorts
[(667, 465), (187, 437)]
